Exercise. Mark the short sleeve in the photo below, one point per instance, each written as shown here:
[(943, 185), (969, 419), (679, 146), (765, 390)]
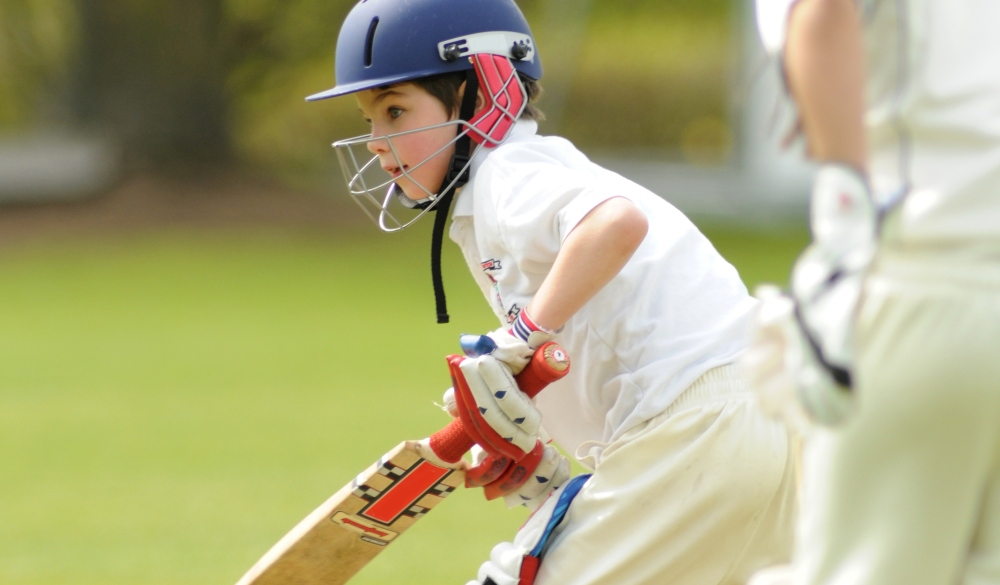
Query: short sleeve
[(772, 23), (539, 209), (584, 203)]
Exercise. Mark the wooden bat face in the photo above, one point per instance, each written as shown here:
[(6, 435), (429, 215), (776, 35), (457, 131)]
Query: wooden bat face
[(347, 531)]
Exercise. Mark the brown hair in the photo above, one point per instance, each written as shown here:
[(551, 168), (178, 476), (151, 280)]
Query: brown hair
[(445, 88)]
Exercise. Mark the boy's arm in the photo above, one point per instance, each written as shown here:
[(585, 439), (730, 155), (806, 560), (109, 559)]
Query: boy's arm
[(824, 64), (591, 255)]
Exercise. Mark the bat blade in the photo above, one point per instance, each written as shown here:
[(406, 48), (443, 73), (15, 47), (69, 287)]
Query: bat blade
[(340, 537)]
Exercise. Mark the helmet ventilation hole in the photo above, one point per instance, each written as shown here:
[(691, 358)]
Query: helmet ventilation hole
[(370, 41)]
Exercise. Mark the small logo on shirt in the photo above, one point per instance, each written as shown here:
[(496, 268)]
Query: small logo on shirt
[(513, 313), (490, 265)]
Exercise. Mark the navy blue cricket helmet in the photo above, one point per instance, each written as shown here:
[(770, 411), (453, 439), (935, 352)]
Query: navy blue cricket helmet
[(389, 41)]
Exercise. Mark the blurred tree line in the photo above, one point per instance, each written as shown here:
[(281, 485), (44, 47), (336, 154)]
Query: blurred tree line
[(184, 83)]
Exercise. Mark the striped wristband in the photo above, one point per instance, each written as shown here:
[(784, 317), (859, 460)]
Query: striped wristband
[(523, 327)]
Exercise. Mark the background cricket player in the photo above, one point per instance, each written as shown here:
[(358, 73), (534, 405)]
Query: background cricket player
[(898, 298), (691, 484)]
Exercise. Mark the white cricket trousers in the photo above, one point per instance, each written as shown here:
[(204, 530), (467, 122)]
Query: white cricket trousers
[(908, 491), (703, 494)]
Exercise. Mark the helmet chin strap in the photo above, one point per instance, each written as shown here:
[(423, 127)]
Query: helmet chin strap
[(456, 177)]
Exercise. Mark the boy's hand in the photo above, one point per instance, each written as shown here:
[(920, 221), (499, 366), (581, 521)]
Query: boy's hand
[(552, 471), (782, 367), (495, 412), (528, 487), (500, 403), (516, 345)]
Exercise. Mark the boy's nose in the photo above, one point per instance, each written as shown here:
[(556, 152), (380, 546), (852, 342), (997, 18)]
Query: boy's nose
[(378, 146)]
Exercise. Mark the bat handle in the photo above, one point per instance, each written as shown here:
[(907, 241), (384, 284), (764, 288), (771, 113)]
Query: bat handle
[(549, 363)]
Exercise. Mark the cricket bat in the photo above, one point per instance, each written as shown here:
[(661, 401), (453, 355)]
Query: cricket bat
[(341, 536)]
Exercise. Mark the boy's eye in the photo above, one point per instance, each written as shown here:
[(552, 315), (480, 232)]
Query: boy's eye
[(395, 112)]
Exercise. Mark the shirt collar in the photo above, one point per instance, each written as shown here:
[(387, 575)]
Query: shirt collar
[(464, 200)]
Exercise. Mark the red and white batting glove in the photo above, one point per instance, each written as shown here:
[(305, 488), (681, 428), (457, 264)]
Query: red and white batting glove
[(802, 349), (528, 486), (516, 344), (784, 371), (531, 487), (505, 419), (550, 474), (500, 404)]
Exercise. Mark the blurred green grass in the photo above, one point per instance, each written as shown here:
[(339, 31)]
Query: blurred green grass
[(172, 402)]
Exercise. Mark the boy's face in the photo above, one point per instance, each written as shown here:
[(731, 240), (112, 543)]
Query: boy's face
[(403, 107)]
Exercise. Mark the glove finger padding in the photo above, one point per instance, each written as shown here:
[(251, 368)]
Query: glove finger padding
[(508, 396), (489, 384), (516, 475), (472, 421), (486, 468), (552, 471)]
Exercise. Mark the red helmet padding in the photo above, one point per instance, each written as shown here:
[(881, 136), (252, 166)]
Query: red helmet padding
[(505, 97)]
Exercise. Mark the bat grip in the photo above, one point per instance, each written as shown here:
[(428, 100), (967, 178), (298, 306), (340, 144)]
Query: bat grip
[(549, 363)]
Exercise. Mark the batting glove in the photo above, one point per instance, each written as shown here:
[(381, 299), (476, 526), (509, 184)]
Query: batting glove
[(516, 345), (550, 472), (828, 276), (498, 403), (783, 368), (802, 350), (517, 562), (528, 486)]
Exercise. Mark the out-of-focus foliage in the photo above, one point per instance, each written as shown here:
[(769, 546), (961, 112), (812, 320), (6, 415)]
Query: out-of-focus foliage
[(653, 77), (279, 52), (643, 76), (36, 40)]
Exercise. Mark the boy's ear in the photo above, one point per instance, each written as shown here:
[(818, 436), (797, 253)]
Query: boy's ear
[(480, 98)]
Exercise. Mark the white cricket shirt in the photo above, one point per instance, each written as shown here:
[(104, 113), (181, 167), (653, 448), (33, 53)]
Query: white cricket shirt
[(676, 310), (933, 116)]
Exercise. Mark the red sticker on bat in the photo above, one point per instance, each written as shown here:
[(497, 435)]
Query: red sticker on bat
[(405, 492)]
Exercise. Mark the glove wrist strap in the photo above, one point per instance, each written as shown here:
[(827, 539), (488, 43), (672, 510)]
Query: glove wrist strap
[(524, 326)]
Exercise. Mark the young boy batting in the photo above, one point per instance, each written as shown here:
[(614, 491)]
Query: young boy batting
[(892, 330), (690, 483)]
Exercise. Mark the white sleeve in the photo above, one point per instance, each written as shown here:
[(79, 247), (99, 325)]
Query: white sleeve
[(772, 23), (538, 214)]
